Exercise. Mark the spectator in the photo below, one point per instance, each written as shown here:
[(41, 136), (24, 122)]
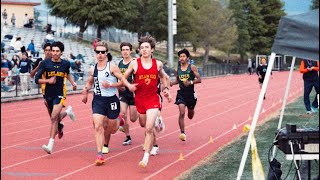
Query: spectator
[(32, 49), (310, 71), (49, 37), (13, 20), (81, 57), (2, 46), (15, 63), (26, 22), (76, 70), (191, 61), (95, 43), (5, 16), (25, 69), (250, 66), (5, 63), (17, 45), (4, 86), (137, 53)]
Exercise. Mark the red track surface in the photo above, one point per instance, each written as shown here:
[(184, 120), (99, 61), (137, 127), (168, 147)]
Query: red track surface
[(222, 103)]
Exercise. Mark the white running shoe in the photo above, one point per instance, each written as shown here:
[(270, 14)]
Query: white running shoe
[(71, 113), (46, 149), (127, 142), (105, 150), (145, 160), (183, 137), (154, 151)]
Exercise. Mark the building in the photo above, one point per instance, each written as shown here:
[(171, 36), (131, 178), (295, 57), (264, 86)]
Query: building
[(19, 8)]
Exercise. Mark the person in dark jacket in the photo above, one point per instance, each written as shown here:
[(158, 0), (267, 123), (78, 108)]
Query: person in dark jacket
[(310, 71)]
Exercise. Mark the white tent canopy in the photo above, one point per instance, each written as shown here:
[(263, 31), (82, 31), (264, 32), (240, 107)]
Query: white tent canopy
[(297, 36)]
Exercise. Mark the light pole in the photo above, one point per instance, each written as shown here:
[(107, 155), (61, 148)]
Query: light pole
[(172, 28)]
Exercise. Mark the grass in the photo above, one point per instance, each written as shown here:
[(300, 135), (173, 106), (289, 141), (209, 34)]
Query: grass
[(224, 164)]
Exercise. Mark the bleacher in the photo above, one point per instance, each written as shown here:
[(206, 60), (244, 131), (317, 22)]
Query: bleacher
[(38, 37)]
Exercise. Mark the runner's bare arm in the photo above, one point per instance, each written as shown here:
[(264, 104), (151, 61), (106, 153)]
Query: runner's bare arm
[(196, 74), (131, 69), (176, 81), (70, 79)]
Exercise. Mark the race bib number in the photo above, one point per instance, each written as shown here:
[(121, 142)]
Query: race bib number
[(114, 106)]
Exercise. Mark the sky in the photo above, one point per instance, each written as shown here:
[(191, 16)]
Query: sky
[(293, 7)]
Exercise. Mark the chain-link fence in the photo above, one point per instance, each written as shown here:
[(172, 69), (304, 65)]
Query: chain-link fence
[(223, 69), (22, 85)]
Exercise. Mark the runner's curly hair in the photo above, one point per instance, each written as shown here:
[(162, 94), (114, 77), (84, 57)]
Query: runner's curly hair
[(148, 39)]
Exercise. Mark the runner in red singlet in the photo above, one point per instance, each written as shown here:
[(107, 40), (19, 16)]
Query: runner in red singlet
[(147, 71)]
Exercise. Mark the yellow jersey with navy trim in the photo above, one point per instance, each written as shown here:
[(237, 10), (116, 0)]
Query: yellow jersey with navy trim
[(60, 70)]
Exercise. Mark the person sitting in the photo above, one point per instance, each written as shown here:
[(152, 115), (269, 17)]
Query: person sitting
[(31, 47), (49, 37), (76, 69), (17, 45)]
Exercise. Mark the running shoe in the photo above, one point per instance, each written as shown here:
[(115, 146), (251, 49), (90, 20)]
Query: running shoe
[(183, 137), (46, 149), (100, 160), (60, 130), (105, 150), (154, 151), (144, 162), (126, 142), (314, 110), (309, 112), (70, 113)]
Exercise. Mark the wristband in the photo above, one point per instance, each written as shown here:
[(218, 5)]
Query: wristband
[(191, 82)]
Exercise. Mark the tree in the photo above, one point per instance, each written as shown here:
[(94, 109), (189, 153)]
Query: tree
[(82, 13), (272, 11), (135, 18), (157, 19), (186, 14), (75, 12), (241, 20), (106, 14), (214, 26), (256, 26), (315, 4)]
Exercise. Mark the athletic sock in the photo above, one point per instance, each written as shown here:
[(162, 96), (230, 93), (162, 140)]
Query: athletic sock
[(155, 145), (182, 132), (105, 145), (50, 144), (146, 155), (129, 137)]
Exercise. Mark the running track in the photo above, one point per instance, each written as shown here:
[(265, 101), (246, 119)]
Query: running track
[(223, 103)]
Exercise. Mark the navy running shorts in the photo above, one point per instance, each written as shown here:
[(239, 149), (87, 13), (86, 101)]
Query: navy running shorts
[(187, 98), (106, 106), (126, 98), (261, 80), (51, 101)]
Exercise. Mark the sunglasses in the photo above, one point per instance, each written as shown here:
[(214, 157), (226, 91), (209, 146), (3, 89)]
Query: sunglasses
[(102, 52)]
